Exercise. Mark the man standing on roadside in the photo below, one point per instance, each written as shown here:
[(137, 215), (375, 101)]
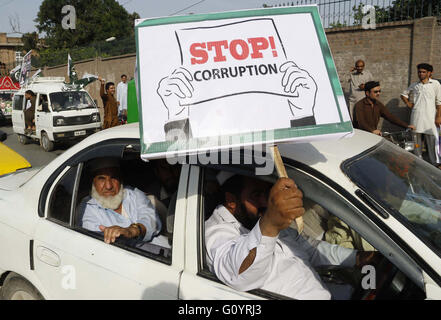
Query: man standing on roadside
[(121, 97), (110, 104), (357, 81), (426, 111), (367, 111)]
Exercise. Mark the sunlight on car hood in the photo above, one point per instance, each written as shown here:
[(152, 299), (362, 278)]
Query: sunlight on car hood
[(16, 179)]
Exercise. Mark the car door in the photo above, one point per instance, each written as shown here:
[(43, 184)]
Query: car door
[(73, 263), (43, 117), (331, 197), (18, 119), (195, 283)]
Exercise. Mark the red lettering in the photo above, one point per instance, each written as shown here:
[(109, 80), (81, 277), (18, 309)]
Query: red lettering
[(244, 52), (218, 46), (239, 49), (198, 53), (258, 44)]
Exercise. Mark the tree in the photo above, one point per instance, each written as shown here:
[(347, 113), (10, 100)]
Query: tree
[(400, 10), (96, 20), (30, 41)]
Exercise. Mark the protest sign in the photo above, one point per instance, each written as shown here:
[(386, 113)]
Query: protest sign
[(25, 70), (236, 79)]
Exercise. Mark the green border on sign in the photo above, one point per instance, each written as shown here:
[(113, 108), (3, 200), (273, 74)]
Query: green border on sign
[(278, 134)]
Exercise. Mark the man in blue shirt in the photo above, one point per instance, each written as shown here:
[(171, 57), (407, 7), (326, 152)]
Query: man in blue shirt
[(117, 210)]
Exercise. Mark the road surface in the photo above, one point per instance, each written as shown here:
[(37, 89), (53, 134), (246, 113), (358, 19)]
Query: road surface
[(32, 152)]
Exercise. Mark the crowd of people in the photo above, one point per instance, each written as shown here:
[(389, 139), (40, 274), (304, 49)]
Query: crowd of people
[(423, 97)]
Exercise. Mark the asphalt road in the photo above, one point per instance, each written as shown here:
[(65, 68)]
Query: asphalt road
[(32, 152)]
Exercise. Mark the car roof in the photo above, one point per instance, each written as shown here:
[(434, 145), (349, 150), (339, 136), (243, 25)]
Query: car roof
[(330, 150), (312, 153), (46, 85)]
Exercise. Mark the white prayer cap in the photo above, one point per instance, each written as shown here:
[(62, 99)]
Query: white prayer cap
[(223, 176), (104, 162)]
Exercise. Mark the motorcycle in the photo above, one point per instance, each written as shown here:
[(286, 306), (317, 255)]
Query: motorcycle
[(403, 139)]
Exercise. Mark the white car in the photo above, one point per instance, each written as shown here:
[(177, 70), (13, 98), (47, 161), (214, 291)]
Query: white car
[(382, 193)]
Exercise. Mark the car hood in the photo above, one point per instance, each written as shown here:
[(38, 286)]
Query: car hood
[(15, 180)]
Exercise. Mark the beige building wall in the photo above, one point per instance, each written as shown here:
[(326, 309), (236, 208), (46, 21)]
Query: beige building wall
[(8, 47)]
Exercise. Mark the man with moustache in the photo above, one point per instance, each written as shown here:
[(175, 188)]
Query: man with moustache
[(367, 111), (426, 111), (250, 245), (117, 210)]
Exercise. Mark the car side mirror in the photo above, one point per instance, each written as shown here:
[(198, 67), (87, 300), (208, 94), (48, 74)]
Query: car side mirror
[(40, 108)]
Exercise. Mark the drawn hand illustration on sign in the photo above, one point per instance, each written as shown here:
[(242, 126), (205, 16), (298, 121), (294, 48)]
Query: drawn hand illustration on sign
[(259, 52)]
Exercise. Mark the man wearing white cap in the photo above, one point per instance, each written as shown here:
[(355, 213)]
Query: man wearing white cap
[(117, 210), (250, 245)]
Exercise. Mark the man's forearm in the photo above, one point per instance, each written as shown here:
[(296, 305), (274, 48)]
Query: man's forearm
[(406, 101)]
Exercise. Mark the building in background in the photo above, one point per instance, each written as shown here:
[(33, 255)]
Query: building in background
[(10, 53)]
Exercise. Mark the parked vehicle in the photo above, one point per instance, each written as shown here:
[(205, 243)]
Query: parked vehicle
[(5, 107), (61, 114), (404, 139), (387, 196), (10, 161)]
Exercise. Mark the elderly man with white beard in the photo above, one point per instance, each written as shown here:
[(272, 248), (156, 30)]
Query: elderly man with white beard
[(117, 210)]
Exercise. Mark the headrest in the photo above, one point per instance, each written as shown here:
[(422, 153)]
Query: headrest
[(223, 176)]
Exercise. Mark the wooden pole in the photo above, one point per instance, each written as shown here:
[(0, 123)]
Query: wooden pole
[(281, 171)]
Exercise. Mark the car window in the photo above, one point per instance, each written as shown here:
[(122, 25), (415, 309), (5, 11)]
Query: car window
[(409, 187), (61, 101), (43, 103), (61, 198), (18, 102), (153, 184), (327, 219)]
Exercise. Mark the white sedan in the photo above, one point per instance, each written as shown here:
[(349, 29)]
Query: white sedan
[(381, 196)]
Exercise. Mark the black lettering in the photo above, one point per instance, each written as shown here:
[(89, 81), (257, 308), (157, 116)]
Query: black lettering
[(250, 70), (206, 72), (224, 73), (231, 72), (215, 73), (272, 68), (263, 70), (242, 69), (196, 78)]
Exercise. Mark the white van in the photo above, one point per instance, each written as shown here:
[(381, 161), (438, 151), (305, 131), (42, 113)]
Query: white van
[(60, 113)]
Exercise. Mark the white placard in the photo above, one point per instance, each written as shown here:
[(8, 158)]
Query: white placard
[(234, 74)]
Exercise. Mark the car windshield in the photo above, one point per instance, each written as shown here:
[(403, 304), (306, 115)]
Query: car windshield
[(61, 101), (409, 187)]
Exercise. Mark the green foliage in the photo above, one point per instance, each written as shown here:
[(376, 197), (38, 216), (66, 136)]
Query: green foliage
[(400, 10), (338, 24), (30, 41), (96, 20)]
